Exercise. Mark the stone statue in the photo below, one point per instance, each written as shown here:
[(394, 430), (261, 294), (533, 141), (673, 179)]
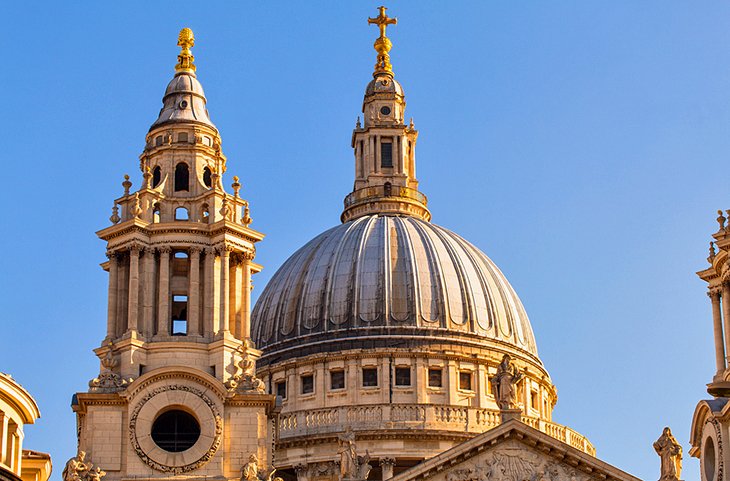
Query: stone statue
[(348, 455), (108, 380), (78, 469), (251, 472), (352, 466), (670, 453), (504, 383), (244, 376)]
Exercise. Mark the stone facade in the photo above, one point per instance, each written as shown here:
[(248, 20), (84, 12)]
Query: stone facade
[(176, 394), (17, 409)]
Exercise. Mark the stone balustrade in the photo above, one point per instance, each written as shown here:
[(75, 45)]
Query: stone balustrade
[(420, 416)]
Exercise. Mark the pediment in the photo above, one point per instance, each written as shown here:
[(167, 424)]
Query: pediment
[(513, 452)]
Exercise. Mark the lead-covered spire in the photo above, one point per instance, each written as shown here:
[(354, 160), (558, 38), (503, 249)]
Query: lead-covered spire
[(385, 146), (184, 99)]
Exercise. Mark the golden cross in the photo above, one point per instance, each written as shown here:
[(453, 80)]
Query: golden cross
[(382, 21)]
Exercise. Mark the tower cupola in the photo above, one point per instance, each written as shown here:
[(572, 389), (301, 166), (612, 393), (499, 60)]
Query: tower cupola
[(385, 147)]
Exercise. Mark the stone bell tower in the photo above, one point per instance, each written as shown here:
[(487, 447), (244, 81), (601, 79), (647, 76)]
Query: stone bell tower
[(177, 395), (711, 422)]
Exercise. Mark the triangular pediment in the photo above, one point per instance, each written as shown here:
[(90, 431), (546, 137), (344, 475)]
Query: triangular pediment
[(513, 452)]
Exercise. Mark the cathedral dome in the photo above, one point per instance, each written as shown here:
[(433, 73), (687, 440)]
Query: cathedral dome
[(384, 281)]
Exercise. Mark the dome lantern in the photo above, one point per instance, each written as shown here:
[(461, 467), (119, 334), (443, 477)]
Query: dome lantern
[(384, 146)]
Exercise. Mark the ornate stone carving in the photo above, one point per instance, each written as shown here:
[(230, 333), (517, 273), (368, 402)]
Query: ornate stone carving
[(251, 471), (207, 455), (226, 210), (712, 255), (721, 220), (515, 466), (244, 376), (136, 210), (126, 184), (670, 453), (236, 186), (78, 469), (246, 219), (504, 383), (114, 218), (108, 380), (352, 466)]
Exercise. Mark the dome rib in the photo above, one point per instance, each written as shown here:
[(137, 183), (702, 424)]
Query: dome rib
[(382, 276)]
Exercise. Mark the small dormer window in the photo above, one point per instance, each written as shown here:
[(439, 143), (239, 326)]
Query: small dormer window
[(386, 154)]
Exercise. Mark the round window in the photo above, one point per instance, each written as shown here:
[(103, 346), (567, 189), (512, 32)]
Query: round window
[(184, 104), (175, 431), (385, 110)]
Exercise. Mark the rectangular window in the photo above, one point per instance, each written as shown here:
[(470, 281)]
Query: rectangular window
[(434, 377), (533, 400), (280, 389), (369, 376), (179, 315), (308, 384), (337, 379), (465, 381), (386, 154), (402, 376)]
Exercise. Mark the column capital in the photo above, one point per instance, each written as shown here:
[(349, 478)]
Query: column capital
[(714, 292), (195, 250), (301, 468), (112, 256), (211, 251), (135, 247), (387, 462), (164, 250)]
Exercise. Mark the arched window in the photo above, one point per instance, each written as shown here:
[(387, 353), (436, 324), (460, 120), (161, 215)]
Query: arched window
[(156, 176), (156, 212), (182, 177), (204, 214), (207, 177), (181, 213)]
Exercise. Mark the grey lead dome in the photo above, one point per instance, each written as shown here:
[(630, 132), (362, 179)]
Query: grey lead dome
[(382, 277)]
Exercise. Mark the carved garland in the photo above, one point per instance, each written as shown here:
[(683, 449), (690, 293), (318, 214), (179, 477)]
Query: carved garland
[(217, 439)]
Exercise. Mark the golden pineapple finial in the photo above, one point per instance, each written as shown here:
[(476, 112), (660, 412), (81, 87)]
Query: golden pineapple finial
[(383, 44), (185, 59)]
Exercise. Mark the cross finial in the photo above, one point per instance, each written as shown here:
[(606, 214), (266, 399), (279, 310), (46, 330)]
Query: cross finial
[(185, 59), (383, 44)]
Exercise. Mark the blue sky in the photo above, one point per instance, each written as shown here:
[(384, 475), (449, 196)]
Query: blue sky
[(582, 145)]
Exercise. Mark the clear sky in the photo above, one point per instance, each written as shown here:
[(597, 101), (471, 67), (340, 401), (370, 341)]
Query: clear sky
[(582, 145)]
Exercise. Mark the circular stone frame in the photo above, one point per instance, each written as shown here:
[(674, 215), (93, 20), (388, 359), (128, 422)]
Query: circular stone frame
[(186, 398)]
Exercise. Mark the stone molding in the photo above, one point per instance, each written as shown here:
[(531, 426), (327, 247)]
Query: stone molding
[(211, 427)]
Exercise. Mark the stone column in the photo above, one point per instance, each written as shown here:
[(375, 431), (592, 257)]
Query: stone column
[(133, 304), (111, 322), (387, 465), (194, 292), (163, 301), (147, 326), (378, 159), (246, 296), (208, 297), (717, 329), (726, 317), (225, 295), (4, 437)]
